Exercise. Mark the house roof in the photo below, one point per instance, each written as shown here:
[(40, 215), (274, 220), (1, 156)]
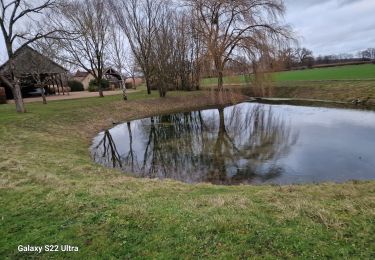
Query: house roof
[(107, 71), (81, 74), (27, 59)]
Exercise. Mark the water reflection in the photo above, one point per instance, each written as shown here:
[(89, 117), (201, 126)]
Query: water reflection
[(107, 151), (247, 143), (233, 145)]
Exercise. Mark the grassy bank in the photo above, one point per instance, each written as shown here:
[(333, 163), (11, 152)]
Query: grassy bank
[(344, 83), (52, 193), (327, 90), (344, 73), (343, 91), (350, 72)]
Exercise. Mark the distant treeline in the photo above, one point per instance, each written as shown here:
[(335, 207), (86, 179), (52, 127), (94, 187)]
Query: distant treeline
[(297, 59)]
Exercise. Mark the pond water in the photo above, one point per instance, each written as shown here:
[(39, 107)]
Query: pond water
[(247, 143)]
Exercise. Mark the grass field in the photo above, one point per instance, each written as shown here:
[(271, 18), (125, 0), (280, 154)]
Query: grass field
[(52, 193), (344, 83), (350, 72)]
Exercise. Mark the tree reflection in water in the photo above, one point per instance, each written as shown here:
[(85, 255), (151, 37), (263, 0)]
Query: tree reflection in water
[(232, 145), (105, 152)]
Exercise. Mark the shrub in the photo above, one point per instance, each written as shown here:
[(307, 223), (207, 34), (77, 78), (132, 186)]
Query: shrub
[(92, 88), (93, 85), (128, 85), (75, 85)]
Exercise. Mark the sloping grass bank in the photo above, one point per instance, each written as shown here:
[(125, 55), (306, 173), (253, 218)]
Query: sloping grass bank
[(327, 90), (52, 193), (344, 83), (343, 91), (345, 73), (349, 72)]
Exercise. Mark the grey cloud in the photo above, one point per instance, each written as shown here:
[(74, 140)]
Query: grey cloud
[(333, 26), (311, 3), (347, 2)]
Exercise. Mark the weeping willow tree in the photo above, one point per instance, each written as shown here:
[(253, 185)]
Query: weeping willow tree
[(231, 29)]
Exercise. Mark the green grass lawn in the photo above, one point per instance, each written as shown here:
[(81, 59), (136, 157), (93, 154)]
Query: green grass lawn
[(350, 72), (344, 83), (52, 193), (227, 80)]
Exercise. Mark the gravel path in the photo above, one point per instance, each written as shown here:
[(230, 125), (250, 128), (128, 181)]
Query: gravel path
[(74, 95)]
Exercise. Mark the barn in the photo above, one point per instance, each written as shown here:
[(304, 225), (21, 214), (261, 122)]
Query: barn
[(114, 78), (32, 67)]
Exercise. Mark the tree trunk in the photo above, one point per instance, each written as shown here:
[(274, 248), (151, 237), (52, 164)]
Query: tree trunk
[(100, 88), (162, 91), (101, 92), (43, 96), (124, 90), (148, 86), (220, 83), (134, 86), (219, 69), (40, 86), (14, 85), (222, 120), (16, 90), (131, 152), (218, 160), (196, 79)]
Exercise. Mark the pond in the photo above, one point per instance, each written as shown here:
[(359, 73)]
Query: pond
[(248, 143)]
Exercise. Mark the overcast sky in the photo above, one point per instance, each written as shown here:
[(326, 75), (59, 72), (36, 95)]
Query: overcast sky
[(333, 26), (324, 26)]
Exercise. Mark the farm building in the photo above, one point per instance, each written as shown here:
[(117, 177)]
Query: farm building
[(134, 82), (34, 69), (110, 74)]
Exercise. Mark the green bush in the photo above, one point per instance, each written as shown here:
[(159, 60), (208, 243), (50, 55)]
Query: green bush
[(93, 85), (92, 88), (75, 86)]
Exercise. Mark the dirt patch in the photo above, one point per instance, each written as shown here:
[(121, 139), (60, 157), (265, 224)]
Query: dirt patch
[(74, 95)]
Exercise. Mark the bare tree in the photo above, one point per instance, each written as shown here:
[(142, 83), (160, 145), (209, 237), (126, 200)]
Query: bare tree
[(174, 52), (39, 68), (187, 51), (226, 26), (118, 56), (287, 58), (372, 51), (305, 56), (139, 21), (85, 27), (132, 68), (13, 14), (368, 54), (164, 76)]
